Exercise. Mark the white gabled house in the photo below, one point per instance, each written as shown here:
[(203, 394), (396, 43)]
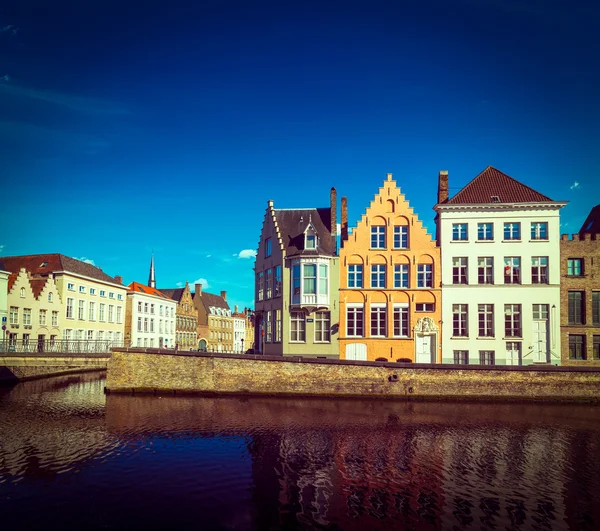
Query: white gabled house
[(500, 272)]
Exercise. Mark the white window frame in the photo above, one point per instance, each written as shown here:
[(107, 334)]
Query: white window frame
[(357, 311), (400, 320), (378, 320), (401, 276)]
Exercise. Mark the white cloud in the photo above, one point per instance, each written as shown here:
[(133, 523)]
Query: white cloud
[(179, 284), (203, 281), (247, 253), (1, 248), (85, 260), (574, 186), (208, 255)]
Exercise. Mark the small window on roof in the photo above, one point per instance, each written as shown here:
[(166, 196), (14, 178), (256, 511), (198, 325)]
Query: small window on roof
[(44, 264), (589, 225), (495, 199)]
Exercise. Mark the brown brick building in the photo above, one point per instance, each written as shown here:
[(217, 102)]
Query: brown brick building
[(215, 322), (186, 333), (580, 293)]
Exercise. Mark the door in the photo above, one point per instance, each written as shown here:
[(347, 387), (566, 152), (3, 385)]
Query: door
[(40, 342), (356, 351), (540, 341), (424, 348), (513, 353)]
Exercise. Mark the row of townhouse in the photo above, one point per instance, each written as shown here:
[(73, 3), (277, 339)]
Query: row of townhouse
[(498, 285), (51, 302)]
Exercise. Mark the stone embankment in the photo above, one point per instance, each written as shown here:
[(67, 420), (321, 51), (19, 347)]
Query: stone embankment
[(160, 372)]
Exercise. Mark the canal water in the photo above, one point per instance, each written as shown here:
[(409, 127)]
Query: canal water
[(74, 458)]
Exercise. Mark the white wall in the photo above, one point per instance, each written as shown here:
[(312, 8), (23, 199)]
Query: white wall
[(152, 339)]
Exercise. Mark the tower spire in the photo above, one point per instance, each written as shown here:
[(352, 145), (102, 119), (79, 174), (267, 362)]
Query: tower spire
[(151, 278)]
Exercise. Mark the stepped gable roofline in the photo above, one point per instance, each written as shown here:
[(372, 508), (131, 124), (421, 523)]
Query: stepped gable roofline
[(36, 284), (292, 224), (136, 287), (44, 264), (173, 293), (492, 186)]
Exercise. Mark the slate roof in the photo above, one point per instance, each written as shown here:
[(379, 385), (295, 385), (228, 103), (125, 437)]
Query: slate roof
[(592, 223), (136, 287), (209, 299), (173, 293), (293, 222), (492, 182), (34, 263), (2, 268)]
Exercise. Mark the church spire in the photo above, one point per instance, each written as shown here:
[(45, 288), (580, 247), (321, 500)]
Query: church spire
[(151, 278)]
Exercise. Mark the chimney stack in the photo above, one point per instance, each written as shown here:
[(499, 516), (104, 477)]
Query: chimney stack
[(235, 308), (442, 187), (224, 295), (344, 228), (198, 289), (333, 205), (119, 279)]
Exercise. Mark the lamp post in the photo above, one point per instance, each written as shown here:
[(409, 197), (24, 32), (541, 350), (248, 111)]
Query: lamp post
[(242, 345)]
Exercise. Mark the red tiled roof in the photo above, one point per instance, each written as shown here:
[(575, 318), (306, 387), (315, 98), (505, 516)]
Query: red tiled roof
[(43, 264), (136, 287), (492, 183)]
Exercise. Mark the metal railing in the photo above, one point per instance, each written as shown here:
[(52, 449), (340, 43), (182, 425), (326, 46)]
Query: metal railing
[(58, 345)]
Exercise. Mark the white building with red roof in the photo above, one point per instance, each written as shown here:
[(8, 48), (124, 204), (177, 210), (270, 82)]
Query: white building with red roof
[(500, 250), (150, 317)]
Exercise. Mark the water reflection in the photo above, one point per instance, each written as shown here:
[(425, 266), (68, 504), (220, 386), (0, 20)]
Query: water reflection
[(295, 464)]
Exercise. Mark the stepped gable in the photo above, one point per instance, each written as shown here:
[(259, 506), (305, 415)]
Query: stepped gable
[(491, 184), (291, 224), (44, 264), (173, 293)]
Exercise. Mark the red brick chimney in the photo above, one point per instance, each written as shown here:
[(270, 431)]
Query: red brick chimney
[(333, 205), (442, 187), (198, 289), (224, 295), (344, 228), (119, 279)]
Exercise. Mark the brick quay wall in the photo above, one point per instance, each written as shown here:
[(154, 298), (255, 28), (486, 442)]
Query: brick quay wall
[(167, 372)]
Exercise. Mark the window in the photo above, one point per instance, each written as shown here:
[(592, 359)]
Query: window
[(311, 241), (400, 318), (540, 311), (269, 283), (378, 276), (160, 309), (425, 276), (485, 270), (322, 327), (539, 231), (485, 231), (261, 286), (140, 307), (486, 320), (146, 308), (596, 308), (111, 313), (575, 267), (81, 289), (119, 314), (27, 316), (140, 324), (310, 279), (119, 298), (355, 321), (14, 315), (102, 293), (596, 347), (152, 309), (101, 312), (460, 320), (278, 281), (268, 247), (576, 307), (539, 270), (91, 311), (81, 311), (459, 270), (401, 276), (146, 324), (378, 320), (425, 307), (92, 291), (70, 310), (487, 357), (355, 276), (54, 317), (577, 347), (512, 320), (512, 231), (461, 357), (400, 237), (378, 237), (298, 327), (22, 292), (90, 335), (459, 232), (322, 279), (50, 297), (277, 326), (70, 286), (512, 270), (268, 327), (152, 325), (42, 317)]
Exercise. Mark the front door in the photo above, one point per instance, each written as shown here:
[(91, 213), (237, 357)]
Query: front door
[(40, 343), (513, 353), (424, 347), (540, 341), (356, 351)]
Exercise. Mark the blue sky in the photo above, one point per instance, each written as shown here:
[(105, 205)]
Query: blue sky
[(129, 128)]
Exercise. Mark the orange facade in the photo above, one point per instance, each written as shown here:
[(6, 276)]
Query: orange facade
[(390, 295)]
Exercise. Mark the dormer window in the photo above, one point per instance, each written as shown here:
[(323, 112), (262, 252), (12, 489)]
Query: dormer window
[(310, 238)]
